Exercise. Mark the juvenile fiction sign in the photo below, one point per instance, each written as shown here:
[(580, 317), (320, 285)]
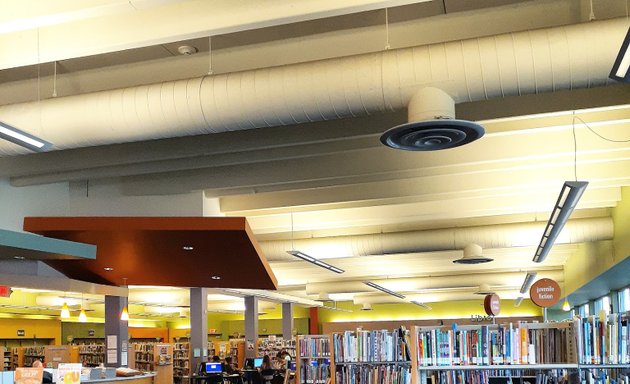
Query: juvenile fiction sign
[(544, 293)]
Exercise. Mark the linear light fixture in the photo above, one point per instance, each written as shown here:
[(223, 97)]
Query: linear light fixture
[(529, 279), (423, 305), (568, 199), (23, 139), (315, 261), (621, 69), (518, 301), (383, 289)]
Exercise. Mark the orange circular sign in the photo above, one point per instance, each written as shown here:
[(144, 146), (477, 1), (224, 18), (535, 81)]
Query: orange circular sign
[(544, 293), (492, 304)]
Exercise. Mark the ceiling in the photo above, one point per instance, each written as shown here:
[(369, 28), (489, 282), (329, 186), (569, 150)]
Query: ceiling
[(314, 168)]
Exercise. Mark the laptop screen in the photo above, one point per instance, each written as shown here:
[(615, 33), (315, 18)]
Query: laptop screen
[(258, 362), (213, 367)]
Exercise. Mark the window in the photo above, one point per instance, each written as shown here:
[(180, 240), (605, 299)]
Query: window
[(624, 300), (602, 304), (583, 310)]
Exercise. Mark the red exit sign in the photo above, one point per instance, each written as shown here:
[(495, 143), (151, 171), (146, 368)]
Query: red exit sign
[(5, 291)]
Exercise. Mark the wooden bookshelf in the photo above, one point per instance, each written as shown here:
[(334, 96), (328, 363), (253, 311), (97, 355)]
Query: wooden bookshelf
[(6, 359), (312, 362), (91, 355), (181, 360)]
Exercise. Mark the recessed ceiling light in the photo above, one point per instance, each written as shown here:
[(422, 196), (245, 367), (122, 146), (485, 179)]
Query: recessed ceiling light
[(187, 248), (108, 269), (19, 257), (215, 277)]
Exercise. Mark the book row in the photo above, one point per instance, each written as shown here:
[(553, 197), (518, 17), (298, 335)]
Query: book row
[(604, 339), (314, 374), (371, 346), (379, 374), (314, 347)]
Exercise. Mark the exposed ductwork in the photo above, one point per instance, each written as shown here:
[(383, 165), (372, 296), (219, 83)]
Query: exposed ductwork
[(436, 283), (489, 236), (474, 69)]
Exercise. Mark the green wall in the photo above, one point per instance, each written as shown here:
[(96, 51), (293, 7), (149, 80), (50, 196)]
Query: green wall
[(81, 331)]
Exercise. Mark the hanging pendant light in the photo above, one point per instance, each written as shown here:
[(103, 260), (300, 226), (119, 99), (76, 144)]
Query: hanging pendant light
[(82, 316), (65, 311), (566, 306), (124, 315)]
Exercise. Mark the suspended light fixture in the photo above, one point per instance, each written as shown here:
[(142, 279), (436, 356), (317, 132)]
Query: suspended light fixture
[(383, 289), (518, 301), (315, 261), (23, 139), (65, 311), (421, 304), (124, 315), (566, 306), (567, 200), (621, 69), (529, 279), (82, 316)]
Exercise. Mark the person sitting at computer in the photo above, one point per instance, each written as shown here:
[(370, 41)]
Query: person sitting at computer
[(228, 366), (266, 364)]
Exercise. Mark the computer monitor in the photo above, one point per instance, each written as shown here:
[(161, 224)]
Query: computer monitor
[(213, 367), (258, 362), (249, 362)]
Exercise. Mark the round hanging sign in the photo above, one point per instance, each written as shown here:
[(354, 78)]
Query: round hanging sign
[(492, 304), (545, 293)]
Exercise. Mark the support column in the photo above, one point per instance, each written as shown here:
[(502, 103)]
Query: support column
[(198, 327), (287, 321), (251, 325), (116, 332), (313, 323)]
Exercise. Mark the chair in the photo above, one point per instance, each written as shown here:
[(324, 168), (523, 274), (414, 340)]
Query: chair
[(266, 375)]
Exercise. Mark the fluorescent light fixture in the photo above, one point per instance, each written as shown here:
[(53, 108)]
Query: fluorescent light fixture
[(383, 289), (423, 305), (22, 138), (518, 301), (529, 279), (621, 69), (569, 196), (315, 261)]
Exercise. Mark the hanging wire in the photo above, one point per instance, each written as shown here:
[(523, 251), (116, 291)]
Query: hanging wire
[(591, 16), (599, 135), (54, 93), (210, 71), (387, 46), (292, 247), (574, 148)]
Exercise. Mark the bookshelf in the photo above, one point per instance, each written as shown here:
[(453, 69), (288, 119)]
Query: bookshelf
[(31, 354), (181, 361), (92, 355), (154, 357), (143, 357), (6, 359), (312, 363), (372, 357), (17, 357), (272, 345), (237, 351)]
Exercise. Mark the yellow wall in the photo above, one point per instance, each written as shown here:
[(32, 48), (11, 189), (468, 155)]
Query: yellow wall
[(593, 259), (443, 310), (41, 329)]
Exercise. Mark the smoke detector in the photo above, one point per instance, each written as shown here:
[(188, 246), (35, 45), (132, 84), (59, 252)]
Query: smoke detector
[(484, 289), (187, 50), (432, 125), (472, 255)]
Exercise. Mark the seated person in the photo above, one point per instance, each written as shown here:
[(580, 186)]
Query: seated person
[(216, 359), (47, 378), (229, 367)]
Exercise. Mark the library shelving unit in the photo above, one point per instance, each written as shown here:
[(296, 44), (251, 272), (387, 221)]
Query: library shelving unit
[(545, 353), (312, 363), (218, 348), (17, 357), (154, 357), (370, 357), (6, 359), (271, 345), (92, 355), (181, 361), (237, 351), (33, 353)]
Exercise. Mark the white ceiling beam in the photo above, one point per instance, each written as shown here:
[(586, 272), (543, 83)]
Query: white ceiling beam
[(101, 29)]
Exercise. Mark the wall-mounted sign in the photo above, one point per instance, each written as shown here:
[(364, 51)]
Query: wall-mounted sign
[(479, 318), (20, 332), (91, 332), (544, 293), (5, 291), (492, 304)]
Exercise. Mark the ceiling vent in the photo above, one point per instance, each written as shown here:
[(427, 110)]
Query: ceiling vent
[(472, 255), (484, 289), (432, 125)]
